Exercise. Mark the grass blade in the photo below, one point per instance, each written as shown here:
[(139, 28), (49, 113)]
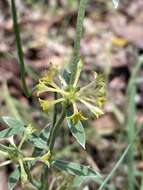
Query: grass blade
[(76, 53), (131, 135), (19, 48), (115, 168), (131, 129)]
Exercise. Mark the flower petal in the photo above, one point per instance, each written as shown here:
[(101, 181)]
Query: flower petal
[(94, 109)]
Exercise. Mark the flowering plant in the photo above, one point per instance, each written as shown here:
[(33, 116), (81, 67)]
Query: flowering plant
[(92, 96), (70, 96)]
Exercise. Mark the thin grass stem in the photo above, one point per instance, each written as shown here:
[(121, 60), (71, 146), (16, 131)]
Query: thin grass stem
[(19, 48), (79, 29)]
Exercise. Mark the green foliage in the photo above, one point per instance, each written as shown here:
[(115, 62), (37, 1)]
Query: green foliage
[(13, 179), (15, 127), (70, 96), (40, 141), (75, 169), (131, 126), (11, 122), (19, 48), (77, 131)]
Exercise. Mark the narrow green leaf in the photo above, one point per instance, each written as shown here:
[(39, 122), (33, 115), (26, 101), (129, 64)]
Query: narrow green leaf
[(75, 168), (77, 131), (131, 127), (115, 168), (13, 179), (37, 142), (10, 132), (15, 127), (11, 122), (41, 140), (45, 133), (19, 47), (79, 31)]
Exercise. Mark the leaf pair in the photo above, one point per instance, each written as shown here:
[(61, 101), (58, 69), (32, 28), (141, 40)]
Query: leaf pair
[(16, 127)]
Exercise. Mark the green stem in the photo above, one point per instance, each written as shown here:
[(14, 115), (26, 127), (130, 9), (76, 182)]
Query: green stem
[(55, 130), (131, 135), (45, 173), (53, 135), (32, 181), (22, 141), (19, 48), (131, 128), (76, 53), (44, 178), (55, 110)]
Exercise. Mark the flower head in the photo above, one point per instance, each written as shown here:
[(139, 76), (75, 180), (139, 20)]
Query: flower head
[(91, 95)]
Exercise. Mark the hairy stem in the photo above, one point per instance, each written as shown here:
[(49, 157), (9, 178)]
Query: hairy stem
[(76, 53)]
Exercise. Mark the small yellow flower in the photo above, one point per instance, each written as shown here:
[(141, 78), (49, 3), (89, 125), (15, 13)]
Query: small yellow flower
[(48, 78), (41, 87), (100, 101), (77, 116), (47, 104), (44, 104), (91, 95), (94, 109)]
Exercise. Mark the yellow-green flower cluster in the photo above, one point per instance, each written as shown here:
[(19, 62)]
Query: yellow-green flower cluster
[(91, 95)]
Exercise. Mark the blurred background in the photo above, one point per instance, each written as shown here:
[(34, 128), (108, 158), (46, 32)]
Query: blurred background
[(112, 43)]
